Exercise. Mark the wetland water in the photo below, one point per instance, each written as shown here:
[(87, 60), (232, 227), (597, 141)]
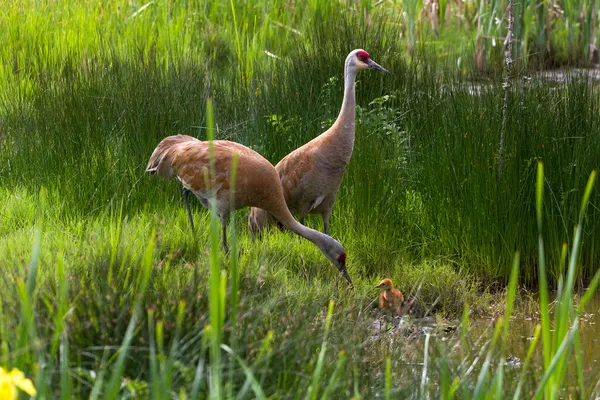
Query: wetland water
[(523, 327), (521, 332), (445, 338)]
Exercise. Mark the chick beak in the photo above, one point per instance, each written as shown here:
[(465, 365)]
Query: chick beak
[(373, 65)]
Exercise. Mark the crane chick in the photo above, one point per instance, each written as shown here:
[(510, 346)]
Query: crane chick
[(391, 298)]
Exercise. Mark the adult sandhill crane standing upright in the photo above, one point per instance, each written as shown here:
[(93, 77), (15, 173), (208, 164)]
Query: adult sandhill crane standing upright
[(257, 185), (311, 175)]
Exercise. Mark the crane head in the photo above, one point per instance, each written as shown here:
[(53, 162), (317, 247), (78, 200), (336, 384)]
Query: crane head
[(335, 253), (360, 59), (341, 264)]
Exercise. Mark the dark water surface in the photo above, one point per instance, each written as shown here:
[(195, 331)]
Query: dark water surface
[(520, 335), (444, 342)]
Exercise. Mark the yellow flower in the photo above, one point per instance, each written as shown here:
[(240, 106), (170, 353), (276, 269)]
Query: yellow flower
[(10, 381), (7, 390)]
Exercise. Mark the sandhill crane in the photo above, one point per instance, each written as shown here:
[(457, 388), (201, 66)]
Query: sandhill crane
[(311, 175), (257, 185), (391, 298)]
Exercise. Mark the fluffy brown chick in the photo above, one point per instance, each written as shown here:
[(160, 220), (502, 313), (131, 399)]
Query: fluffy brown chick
[(391, 298)]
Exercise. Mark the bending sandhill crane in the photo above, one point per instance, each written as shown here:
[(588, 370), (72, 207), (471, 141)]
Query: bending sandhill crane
[(257, 185), (391, 298), (311, 175)]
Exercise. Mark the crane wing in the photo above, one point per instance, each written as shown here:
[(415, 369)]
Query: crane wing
[(293, 170), (189, 159)]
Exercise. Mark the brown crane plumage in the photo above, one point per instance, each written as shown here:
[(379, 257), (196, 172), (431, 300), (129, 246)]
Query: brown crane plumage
[(257, 185), (311, 175)]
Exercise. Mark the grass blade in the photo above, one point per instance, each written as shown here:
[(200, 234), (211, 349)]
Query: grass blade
[(65, 377), (482, 377), (544, 314), (314, 385), (215, 306), (337, 372), (154, 376), (589, 293), (258, 392), (425, 363), (388, 378), (114, 383), (524, 371), (558, 356)]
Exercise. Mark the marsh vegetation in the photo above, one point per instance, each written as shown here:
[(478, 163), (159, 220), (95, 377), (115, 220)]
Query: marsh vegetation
[(106, 293)]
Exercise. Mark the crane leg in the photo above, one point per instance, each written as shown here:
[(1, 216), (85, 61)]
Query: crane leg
[(224, 227), (186, 197), (326, 222)]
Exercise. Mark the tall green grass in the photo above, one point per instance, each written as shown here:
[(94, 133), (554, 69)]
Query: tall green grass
[(455, 161), (322, 338)]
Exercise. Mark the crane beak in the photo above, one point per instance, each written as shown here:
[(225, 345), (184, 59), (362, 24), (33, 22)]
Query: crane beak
[(344, 272), (373, 65)]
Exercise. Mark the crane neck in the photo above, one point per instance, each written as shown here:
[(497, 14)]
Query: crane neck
[(283, 215), (321, 240), (347, 116), (307, 233)]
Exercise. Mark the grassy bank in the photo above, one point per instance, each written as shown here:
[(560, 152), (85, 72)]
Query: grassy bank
[(89, 284)]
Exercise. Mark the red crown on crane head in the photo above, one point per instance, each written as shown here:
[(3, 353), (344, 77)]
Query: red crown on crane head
[(362, 55)]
